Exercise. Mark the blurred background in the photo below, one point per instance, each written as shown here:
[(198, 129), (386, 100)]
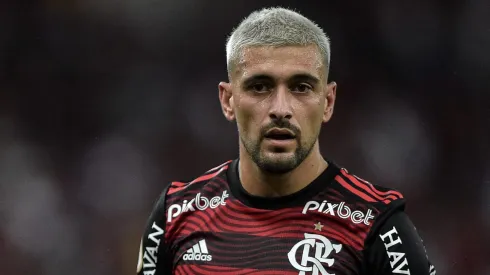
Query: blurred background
[(103, 102)]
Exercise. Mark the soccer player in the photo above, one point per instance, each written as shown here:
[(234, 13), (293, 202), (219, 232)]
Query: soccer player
[(281, 207)]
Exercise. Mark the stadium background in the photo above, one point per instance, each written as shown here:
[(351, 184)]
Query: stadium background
[(102, 103)]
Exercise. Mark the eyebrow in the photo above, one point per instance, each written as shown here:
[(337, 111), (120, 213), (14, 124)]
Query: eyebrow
[(258, 77), (297, 77), (305, 77)]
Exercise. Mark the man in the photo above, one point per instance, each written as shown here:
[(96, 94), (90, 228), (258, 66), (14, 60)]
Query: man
[(281, 208)]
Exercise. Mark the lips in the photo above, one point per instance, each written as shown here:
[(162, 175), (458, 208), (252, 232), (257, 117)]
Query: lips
[(279, 134)]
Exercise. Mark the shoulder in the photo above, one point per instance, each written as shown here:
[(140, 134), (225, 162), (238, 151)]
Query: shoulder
[(179, 194), (384, 200), (214, 175), (176, 190), (156, 229), (208, 190)]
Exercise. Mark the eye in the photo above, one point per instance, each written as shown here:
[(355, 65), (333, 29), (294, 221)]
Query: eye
[(302, 88), (259, 88)]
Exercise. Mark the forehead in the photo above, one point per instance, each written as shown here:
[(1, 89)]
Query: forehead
[(280, 61)]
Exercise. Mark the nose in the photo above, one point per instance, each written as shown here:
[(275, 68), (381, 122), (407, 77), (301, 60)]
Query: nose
[(281, 105)]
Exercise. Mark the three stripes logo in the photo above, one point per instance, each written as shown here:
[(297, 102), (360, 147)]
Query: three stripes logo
[(198, 252)]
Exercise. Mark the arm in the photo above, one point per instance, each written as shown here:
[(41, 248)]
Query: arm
[(152, 259), (396, 248)]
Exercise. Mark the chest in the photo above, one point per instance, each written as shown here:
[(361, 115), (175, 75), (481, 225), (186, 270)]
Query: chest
[(233, 239)]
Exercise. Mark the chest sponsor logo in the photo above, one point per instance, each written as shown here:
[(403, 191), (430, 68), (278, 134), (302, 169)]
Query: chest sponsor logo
[(315, 251), (198, 203), (398, 260), (339, 210)]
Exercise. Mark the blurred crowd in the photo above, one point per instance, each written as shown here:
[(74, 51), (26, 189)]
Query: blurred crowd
[(103, 102)]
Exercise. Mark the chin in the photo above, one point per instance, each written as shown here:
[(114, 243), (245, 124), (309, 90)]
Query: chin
[(277, 163)]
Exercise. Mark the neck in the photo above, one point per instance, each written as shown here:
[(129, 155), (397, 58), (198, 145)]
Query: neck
[(259, 183)]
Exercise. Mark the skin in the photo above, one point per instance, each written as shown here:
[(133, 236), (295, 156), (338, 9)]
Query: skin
[(286, 88)]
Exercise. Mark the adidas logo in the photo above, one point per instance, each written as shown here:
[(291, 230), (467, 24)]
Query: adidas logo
[(198, 252)]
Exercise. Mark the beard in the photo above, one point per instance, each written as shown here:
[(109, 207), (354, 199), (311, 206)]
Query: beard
[(278, 162)]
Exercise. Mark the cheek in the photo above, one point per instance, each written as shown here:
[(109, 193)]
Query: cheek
[(247, 119), (313, 121), (312, 117)]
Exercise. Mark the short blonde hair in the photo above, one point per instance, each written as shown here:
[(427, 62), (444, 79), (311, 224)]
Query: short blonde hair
[(276, 27)]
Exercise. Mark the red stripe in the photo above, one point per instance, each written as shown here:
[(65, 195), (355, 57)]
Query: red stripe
[(397, 194), (176, 186), (206, 177), (365, 187), (369, 190), (347, 186), (178, 183), (174, 190), (199, 179), (379, 192), (218, 167)]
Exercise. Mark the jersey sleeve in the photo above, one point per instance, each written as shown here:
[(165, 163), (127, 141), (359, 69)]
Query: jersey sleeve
[(396, 248), (153, 254)]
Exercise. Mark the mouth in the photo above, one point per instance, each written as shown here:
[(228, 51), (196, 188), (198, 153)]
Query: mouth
[(280, 134)]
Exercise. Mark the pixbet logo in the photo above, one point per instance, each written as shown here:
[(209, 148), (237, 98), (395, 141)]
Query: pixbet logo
[(341, 210), (199, 202)]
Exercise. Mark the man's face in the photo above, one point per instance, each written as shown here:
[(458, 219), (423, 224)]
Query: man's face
[(279, 98)]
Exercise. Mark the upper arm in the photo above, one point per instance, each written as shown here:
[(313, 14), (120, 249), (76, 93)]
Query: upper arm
[(396, 248), (152, 257)]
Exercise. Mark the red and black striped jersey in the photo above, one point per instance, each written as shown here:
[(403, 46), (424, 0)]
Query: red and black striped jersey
[(339, 224)]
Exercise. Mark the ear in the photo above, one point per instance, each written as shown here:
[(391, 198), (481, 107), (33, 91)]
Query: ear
[(330, 95), (226, 100)]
